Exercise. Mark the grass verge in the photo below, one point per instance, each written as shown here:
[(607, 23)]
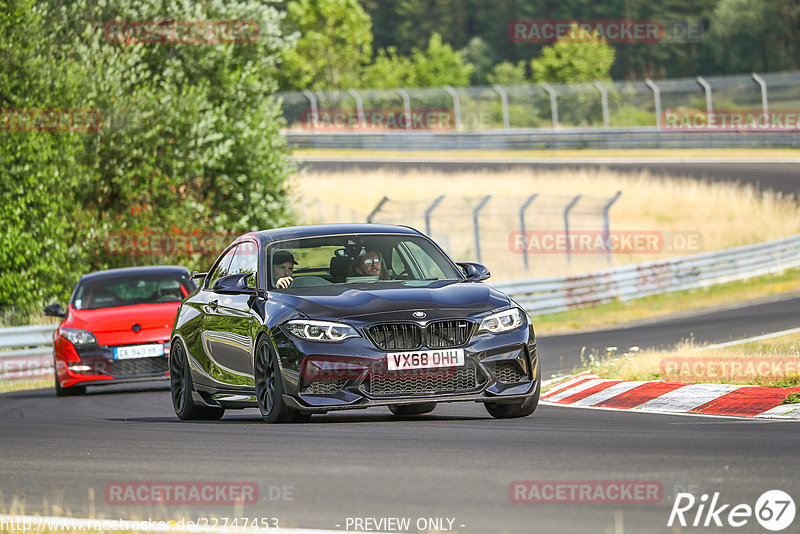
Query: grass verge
[(768, 362), (618, 312), (22, 385)]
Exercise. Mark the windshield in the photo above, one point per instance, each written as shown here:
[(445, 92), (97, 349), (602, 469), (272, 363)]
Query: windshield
[(322, 261), (131, 289)]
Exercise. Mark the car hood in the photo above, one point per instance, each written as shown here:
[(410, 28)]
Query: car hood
[(373, 301), (114, 326)]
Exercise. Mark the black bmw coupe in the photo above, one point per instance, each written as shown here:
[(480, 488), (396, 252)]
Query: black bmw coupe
[(308, 319)]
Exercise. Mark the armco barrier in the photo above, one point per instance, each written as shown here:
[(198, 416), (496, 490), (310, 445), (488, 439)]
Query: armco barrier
[(31, 353), (536, 139), (556, 294)]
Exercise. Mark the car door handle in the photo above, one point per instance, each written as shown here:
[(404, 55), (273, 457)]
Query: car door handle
[(213, 304)]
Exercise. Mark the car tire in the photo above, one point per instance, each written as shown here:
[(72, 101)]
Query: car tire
[(181, 388), (68, 392), (510, 410), (269, 387), (401, 410)]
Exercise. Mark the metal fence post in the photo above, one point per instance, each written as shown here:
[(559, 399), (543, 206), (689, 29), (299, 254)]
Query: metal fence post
[(312, 101), (377, 208), (657, 97), (504, 102), (428, 214), (705, 85), (604, 103), (456, 105), (522, 228), (553, 102), (406, 106), (477, 228), (566, 225), (764, 100), (607, 226), (359, 107)]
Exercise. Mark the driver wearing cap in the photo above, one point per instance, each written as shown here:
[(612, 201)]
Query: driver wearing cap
[(282, 268)]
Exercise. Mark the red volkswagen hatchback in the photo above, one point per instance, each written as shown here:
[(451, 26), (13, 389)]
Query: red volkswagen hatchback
[(117, 326)]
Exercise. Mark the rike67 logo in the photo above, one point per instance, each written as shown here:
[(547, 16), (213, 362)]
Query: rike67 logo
[(774, 510)]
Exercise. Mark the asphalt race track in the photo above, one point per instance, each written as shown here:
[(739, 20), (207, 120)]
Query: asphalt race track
[(455, 463), (779, 176)]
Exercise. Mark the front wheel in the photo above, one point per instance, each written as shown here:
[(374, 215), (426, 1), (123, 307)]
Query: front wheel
[(523, 408), (269, 388), (68, 392), (180, 385)]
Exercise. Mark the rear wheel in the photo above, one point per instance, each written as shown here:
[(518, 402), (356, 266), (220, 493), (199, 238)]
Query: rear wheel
[(524, 408), (181, 388), (412, 409), (269, 388)]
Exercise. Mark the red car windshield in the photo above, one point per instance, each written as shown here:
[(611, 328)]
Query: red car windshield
[(129, 290)]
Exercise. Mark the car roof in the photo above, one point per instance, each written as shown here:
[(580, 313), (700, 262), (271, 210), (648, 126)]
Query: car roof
[(148, 269), (320, 230)]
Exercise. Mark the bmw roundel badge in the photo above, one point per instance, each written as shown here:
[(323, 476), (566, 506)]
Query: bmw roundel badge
[(419, 314)]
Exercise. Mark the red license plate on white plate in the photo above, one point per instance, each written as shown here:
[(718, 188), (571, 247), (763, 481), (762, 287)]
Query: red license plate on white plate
[(425, 359)]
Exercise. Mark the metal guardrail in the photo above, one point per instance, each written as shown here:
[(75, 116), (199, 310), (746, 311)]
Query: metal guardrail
[(534, 139), (556, 294), (31, 354)]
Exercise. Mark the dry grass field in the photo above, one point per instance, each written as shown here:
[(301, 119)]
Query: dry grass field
[(722, 215)]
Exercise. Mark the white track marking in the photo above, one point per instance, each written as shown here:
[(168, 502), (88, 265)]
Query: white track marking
[(749, 339), (608, 393), (40, 524), (688, 397), (564, 393), (784, 411)]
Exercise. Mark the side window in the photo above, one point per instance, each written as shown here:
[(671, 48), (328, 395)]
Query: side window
[(399, 265), (222, 268), (245, 260)]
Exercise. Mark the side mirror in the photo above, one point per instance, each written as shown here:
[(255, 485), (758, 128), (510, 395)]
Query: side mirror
[(55, 310), (475, 271), (233, 283)]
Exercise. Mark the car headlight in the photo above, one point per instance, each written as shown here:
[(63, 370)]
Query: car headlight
[(324, 331), (504, 321), (78, 337)]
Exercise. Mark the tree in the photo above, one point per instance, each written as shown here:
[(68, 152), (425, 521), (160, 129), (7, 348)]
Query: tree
[(481, 56), (189, 140), (39, 255), (753, 35), (438, 65), (507, 73), (334, 42), (576, 58)]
